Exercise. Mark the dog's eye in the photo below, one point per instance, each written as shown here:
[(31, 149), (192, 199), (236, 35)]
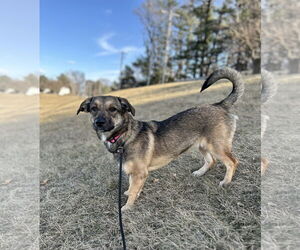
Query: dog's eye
[(112, 109), (94, 109)]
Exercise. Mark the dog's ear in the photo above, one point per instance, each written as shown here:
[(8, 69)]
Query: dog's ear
[(85, 105), (126, 105)]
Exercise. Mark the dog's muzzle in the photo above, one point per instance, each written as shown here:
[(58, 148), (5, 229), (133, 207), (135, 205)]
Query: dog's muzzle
[(99, 122), (102, 125)]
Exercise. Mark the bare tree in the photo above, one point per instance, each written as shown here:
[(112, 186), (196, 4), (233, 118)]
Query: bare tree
[(32, 80), (95, 88), (77, 79), (158, 27), (281, 32), (148, 13), (245, 31)]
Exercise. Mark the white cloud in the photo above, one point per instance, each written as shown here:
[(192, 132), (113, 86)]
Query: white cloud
[(106, 46), (109, 49), (71, 62)]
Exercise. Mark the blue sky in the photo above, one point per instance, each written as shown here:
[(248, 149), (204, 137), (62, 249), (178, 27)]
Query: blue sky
[(88, 36), (19, 37), (56, 36)]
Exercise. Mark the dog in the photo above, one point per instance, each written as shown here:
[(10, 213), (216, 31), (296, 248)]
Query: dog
[(151, 145), (268, 90)]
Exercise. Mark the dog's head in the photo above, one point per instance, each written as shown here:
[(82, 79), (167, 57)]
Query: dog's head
[(109, 115)]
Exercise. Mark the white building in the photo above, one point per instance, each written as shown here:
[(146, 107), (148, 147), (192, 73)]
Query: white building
[(46, 91), (32, 91), (10, 91), (64, 91)]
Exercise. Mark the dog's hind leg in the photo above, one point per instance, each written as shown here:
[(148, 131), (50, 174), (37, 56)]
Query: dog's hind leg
[(231, 164), (209, 162)]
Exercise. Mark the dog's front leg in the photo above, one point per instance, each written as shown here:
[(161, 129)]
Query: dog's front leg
[(136, 184), (263, 165), (130, 181)]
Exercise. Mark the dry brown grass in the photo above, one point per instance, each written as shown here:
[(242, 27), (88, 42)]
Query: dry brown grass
[(176, 210), (280, 185), (54, 105), (19, 176), (78, 194), (15, 106)]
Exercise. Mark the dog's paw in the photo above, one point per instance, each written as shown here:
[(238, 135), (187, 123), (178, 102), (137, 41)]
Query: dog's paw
[(199, 172), (126, 192), (126, 208), (223, 183)]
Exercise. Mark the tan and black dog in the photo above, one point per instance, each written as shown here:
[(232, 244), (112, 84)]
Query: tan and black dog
[(152, 145)]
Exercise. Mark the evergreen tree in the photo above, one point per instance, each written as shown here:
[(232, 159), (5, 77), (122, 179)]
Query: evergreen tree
[(127, 78)]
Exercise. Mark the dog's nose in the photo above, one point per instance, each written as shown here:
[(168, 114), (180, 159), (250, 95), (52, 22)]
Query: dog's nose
[(99, 122)]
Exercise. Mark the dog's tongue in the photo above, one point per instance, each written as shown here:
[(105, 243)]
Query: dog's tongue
[(114, 139)]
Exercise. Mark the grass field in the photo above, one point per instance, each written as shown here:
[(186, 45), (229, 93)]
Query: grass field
[(280, 186), (78, 178), (176, 210), (19, 171), (15, 107), (19, 181), (53, 106)]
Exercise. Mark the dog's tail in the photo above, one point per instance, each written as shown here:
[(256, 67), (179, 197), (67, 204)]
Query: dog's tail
[(268, 86), (233, 76)]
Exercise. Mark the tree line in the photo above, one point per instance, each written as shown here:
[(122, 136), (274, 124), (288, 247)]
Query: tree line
[(76, 82), (18, 85), (189, 40), (281, 35)]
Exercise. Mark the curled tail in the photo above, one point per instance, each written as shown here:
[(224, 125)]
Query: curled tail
[(233, 76), (268, 86)]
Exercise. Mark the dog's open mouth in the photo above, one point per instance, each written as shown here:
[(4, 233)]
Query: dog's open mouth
[(114, 137)]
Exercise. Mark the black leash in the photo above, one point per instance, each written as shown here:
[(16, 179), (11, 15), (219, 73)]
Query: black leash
[(120, 152)]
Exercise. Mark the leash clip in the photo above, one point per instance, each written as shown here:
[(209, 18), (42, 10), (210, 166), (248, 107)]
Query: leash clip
[(120, 150)]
